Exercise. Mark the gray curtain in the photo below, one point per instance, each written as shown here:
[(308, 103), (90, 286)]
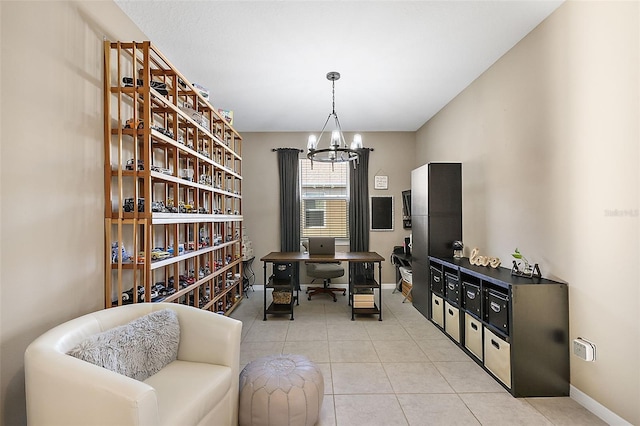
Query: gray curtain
[(359, 212), (289, 202), (359, 203)]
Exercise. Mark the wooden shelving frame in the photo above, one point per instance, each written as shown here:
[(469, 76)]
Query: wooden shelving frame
[(179, 151)]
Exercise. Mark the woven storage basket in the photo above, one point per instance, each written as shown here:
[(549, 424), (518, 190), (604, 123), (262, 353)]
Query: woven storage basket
[(405, 290), (281, 297)]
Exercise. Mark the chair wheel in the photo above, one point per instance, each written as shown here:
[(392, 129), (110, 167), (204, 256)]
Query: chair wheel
[(335, 300), (309, 298)]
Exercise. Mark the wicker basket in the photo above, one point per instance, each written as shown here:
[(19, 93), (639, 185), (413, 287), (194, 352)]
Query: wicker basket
[(281, 297), (406, 287)]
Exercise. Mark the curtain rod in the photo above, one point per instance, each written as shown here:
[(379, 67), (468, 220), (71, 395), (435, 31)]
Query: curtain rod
[(302, 150), (283, 149)]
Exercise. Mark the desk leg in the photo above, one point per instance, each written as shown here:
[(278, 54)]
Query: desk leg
[(296, 283), (351, 292), (264, 293), (293, 285), (349, 288), (380, 291)]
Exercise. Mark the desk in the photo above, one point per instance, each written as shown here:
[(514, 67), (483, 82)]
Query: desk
[(354, 282)]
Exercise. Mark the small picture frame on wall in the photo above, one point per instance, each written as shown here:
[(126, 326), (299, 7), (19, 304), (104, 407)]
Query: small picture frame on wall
[(381, 182)]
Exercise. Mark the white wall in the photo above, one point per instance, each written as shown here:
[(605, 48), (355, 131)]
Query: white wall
[(548, 138), (392, 156), (51, 173)]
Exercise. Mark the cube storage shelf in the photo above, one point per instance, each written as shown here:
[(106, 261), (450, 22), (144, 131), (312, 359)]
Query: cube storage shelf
[(173, 185), (516, 328)]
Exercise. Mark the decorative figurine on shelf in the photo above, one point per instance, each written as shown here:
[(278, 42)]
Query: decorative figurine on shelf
[(525, 269), (457, 249), (114, 253), (478, 260), (129, 205)]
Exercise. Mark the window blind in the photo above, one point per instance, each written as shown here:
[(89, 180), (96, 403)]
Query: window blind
[(324, 199)]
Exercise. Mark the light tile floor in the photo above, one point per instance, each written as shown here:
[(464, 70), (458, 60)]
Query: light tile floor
[(401, 371)]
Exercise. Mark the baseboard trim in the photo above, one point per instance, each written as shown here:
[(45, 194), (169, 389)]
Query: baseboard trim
[(596, 408)]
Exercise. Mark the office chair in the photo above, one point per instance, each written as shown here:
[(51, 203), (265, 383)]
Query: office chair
[(325, 271)]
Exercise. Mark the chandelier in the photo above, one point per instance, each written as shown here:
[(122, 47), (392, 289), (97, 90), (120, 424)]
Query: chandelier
[(337, 152)]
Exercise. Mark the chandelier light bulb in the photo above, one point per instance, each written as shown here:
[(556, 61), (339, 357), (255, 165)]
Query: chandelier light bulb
[(335, 139), (312, 144), (357, 141)]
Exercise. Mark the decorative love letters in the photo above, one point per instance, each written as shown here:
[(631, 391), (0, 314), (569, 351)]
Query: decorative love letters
[(476, 259)]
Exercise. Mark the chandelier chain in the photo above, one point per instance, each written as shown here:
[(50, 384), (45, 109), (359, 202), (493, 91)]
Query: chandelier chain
[(333, 94)]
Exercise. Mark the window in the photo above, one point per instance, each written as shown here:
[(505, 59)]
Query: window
[(324, 199)]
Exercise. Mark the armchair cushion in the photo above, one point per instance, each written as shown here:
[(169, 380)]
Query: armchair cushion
[(138, 349)]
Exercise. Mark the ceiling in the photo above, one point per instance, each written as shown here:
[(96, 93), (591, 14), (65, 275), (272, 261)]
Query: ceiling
[(400, 61)]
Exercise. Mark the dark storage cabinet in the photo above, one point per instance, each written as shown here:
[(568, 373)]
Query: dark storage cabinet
[(516, 328), (436, 222)]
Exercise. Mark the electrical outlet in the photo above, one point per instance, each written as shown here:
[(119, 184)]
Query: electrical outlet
[(584, 349)]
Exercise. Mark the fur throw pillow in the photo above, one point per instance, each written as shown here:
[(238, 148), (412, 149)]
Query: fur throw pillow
[(138, 349)]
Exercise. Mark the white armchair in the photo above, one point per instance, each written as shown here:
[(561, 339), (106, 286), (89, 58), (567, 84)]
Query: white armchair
[(200, 387)]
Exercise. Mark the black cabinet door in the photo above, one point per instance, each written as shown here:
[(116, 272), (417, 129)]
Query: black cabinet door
[(420, 239), (443, 231), (445, 189), (420, 265), (419, 191)]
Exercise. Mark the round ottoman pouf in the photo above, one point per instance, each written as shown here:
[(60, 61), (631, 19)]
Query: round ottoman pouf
[(280, 390)]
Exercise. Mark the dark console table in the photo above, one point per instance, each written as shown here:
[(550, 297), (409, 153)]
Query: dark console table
[(516, 328)]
